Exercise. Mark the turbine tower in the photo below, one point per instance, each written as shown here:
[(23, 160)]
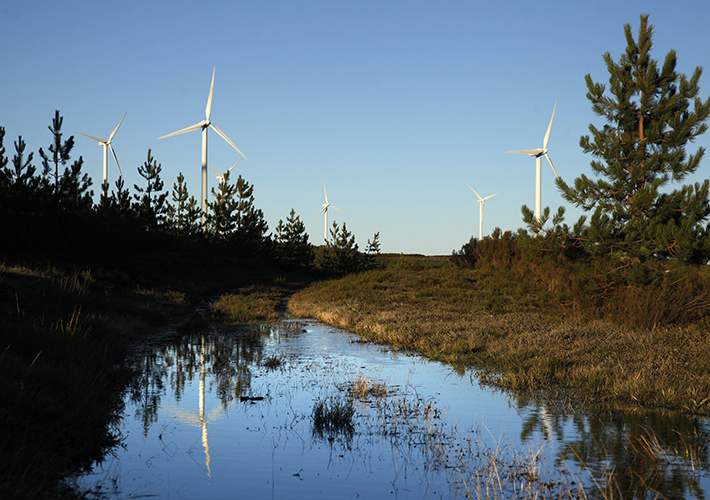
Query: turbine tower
[(106, 144), (480, 218), (538, 153), (324, 210), (204, 125)]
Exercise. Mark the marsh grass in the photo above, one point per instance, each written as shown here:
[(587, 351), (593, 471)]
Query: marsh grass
[(253, 304), (333, 416), (365, 387), (513, 329)]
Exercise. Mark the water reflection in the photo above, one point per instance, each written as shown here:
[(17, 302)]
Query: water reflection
[(206, 418), (632, 454)]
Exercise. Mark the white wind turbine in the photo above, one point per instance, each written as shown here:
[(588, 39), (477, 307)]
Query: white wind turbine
[(220, 177), (538, 153), (204, 125), (106, 144), (480, 219), (324, 210)]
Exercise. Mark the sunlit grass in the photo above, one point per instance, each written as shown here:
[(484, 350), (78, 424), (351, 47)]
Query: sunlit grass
[(517, 334)]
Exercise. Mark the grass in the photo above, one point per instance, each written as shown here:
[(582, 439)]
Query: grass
[(333, 416), (64, 332), (515, 331)]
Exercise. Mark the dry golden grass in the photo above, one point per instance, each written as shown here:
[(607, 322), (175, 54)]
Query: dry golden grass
[(516, 334)]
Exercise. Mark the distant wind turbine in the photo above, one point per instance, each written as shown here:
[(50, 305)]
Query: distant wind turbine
[(480, 219), (324, 210), (204, 125), (106, 144), (220, 177), (538, 153)]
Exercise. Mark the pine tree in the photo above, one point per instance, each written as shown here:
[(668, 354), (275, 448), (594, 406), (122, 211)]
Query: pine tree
[(251, 227), (151, 200), (292, 243), (223, 218), (60, 150), (22, 176), (651, 115), (183, 214)]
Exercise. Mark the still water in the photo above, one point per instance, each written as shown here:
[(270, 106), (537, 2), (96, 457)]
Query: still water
[(230, 414)]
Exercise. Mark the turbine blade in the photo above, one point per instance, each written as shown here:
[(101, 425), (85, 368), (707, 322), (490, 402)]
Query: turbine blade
[(94, 138), (116, 129), (553, 167), (115, 158), (326, 193), (526, 151), (230, 168), (549, 128), (214, 170), (227, 139), (208, 109), (197, 126), (491, 196), (333, 206), (322, 210), (479, 196)]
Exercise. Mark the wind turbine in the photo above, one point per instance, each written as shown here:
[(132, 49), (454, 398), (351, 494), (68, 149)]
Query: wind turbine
[(106, 144), (204, 125), (538, 153), (480, 219), (325, 208), (220, 177)]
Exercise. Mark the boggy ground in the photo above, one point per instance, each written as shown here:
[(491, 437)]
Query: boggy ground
[(512, 329)]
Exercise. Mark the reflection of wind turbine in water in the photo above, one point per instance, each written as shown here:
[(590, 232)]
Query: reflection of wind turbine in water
[(201, 419)]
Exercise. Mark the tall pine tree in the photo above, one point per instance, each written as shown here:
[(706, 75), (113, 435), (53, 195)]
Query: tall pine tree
[(651, 112), (183, 212), (151, 200)]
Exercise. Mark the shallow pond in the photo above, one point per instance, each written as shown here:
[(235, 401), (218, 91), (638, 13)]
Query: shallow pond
[(265, 412)]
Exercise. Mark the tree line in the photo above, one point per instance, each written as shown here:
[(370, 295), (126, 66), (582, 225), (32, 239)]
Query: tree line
[(51, 210)]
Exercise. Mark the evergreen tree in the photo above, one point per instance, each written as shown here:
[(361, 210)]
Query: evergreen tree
[(651, 115), (22, 176), (74, 191), (251, 227), (342, 255), (183, 214), (4, 174), (292, 243), (60, 151), (151, 200), (223, 220)]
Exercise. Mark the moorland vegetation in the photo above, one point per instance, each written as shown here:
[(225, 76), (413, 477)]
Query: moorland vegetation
[(614, 309)]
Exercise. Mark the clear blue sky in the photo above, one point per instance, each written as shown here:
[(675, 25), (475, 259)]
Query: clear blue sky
[(396, 105)]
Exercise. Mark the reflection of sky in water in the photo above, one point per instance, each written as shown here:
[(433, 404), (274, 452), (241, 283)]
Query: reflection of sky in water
[(201, 435)]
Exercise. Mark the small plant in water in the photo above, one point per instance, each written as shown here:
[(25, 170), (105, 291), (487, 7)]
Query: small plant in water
[(365, 387), (333, 415), (272, 362)]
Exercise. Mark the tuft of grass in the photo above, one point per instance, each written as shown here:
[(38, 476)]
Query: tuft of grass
[(273, 362), (364, 387), (333, 415)]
